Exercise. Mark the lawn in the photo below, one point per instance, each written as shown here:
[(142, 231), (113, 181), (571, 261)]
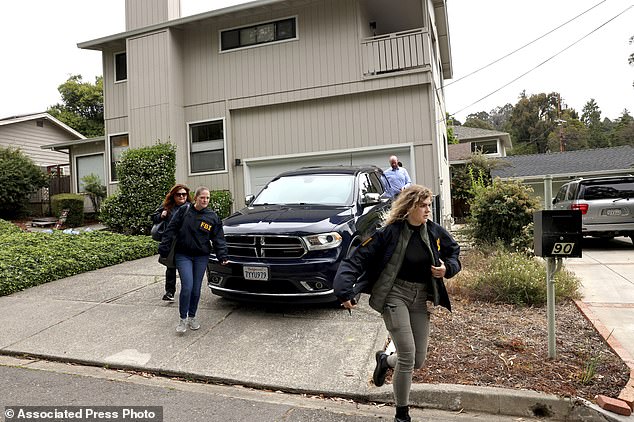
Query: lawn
[(28, 259)]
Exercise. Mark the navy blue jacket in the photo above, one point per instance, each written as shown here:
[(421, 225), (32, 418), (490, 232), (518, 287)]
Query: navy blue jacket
[(360, 270), (193, 230)]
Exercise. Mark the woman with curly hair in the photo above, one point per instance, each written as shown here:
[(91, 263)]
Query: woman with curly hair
[(405, 262)]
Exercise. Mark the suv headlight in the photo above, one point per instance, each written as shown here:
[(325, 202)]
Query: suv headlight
[(317, 242)]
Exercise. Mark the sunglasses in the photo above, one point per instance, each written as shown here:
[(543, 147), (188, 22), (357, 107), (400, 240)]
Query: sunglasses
[(180, 194)]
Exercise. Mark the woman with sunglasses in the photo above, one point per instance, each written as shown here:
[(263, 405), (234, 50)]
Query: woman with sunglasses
[(175, 198)]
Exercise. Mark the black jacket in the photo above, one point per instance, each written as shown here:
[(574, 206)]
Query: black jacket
[(193, 230), (156, 215), (360, 271)]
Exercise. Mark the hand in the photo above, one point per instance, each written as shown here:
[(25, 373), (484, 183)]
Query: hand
[(164, 214), (349, 304), (225, 262), (439, 271)]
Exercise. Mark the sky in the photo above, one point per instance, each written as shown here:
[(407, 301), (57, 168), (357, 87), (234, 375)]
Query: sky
[(39, 39)]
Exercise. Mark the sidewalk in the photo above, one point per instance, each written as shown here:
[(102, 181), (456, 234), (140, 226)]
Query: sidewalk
[(607, 274), (114, 317)]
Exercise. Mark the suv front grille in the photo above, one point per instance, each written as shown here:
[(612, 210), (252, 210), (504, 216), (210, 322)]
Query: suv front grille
[(284, 247)]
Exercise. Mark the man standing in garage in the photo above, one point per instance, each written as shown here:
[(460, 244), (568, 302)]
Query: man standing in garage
[(395, 178)]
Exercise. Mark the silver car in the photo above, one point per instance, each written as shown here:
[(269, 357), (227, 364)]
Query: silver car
[(606, 205)]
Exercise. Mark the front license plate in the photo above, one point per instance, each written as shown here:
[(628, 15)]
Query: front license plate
[(255, 273), (613, 211)]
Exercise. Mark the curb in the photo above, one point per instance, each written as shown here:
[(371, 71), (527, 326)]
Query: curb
[(448, 397)]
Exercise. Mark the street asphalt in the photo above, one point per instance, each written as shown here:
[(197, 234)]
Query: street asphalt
[(114, 317)]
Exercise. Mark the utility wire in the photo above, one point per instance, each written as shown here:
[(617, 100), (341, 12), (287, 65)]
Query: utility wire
[(522, 47), (544, 62)]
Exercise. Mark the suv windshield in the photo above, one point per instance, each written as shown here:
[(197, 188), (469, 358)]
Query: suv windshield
[(603, 190), (322, 189)]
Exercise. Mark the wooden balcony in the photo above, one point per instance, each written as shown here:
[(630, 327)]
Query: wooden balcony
[(395, 52)]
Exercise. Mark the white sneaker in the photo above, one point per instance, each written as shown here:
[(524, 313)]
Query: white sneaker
[(193, 323), (182, 326)]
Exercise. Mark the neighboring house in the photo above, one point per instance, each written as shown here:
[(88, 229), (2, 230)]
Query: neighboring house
[(489, 142), (251, 90), (492, 143), (29, 132), (566, 166), (85, 156)]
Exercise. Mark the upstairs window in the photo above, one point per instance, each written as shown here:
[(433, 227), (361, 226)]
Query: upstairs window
[(263, 33), (485, 147), (207, 146), (120, 67)]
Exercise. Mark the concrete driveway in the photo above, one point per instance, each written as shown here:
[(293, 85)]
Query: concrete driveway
[(607, 274)]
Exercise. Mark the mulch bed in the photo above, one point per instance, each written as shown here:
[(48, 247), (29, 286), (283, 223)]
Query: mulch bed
[(500, 345)]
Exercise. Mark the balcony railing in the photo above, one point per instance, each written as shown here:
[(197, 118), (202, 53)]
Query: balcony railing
[(395, 52)]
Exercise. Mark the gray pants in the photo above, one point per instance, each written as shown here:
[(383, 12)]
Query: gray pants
[(407, 319)]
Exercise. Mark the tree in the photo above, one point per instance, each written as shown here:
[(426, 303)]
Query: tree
[(623, 133), (19, 178), (591, 118), (500, 117), (532, 121), (95, 189), (82, 106)]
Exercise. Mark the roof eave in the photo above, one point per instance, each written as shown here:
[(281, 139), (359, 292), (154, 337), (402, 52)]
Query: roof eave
[(99, 43)]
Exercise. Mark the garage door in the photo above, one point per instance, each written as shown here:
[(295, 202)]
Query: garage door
[(259, 172)]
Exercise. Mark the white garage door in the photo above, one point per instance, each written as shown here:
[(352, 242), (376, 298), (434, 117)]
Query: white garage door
[(259, 172)]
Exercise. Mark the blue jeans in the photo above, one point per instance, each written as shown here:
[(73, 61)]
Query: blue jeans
[(191, 270)]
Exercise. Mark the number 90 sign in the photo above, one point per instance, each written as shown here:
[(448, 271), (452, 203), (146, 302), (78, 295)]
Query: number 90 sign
[(561, 248)]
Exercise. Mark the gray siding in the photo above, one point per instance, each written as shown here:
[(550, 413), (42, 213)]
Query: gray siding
[(325, 54), (115, 94), (29, 138)]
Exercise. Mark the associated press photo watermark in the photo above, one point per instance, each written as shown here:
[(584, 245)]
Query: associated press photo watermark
[(84, 413)]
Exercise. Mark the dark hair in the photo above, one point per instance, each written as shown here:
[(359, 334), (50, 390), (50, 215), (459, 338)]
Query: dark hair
[(169, 201)]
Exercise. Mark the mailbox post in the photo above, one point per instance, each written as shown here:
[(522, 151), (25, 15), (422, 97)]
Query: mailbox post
[(557, 235)]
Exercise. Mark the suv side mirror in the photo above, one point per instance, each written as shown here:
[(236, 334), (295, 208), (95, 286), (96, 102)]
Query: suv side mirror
[(248, 199), (370, 198)]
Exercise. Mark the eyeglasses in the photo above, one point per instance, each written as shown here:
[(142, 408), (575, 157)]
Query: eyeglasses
[(180, 194)]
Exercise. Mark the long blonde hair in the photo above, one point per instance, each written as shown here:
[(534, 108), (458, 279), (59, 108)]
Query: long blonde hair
[(410, 197)]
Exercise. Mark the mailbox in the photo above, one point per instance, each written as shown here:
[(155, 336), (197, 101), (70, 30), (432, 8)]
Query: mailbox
[(558, 233)]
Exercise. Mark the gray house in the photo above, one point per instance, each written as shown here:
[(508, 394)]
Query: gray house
[(493, 143), (251, 90), (565, 166), (29, 132)]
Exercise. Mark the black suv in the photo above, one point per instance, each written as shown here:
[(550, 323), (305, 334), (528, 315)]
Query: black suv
[(286, 245), (606, 205)]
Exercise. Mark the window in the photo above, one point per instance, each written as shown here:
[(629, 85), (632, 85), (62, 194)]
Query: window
[(118, 144), (89, 164), (207, 146), (485, 147), (120, 67), (285, 29)]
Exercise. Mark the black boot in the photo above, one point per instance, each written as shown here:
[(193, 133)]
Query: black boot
[(402, 414), (380, 371)]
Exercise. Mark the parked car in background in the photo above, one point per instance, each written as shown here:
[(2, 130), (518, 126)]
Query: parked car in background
[(606, 205), (287, 243)]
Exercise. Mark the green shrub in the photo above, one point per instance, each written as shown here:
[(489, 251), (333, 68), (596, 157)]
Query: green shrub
[(19, 178), (74, 203), (95, 189), (518, 279), (145, 175), (500, 212), (220, 201), (7, 227), (29, 259)]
